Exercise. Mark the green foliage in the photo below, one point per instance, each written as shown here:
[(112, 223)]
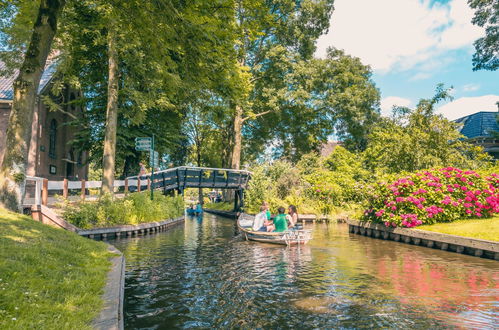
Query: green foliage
[(487, 48), (135, 208), (224, 206), (315, 185), (417, 139), (49, 278)]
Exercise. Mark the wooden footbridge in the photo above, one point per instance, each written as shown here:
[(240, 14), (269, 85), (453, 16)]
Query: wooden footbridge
[(173, 179)]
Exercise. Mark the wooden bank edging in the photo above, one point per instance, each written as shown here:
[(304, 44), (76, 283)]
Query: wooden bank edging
[(130, 230), (111, 315), (452, 243), (227, 214)]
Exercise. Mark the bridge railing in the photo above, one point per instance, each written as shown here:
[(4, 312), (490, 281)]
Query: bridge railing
[(41, 191), (193, 177)]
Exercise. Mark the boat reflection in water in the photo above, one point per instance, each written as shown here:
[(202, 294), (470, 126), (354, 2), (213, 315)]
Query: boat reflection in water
[(206, 275)]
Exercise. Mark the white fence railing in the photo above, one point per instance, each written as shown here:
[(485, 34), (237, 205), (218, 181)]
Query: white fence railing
[(173, 178)]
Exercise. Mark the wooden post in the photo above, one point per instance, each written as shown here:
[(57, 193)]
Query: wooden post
[(83, 184), (138, 184), (65, 189), (126, 186), (45, 192), (236, 207), (148, 184)]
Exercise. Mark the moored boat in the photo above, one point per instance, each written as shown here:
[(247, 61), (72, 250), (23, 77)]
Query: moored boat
[(289, 237)]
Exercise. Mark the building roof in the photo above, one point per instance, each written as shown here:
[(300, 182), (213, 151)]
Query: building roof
[(6, 82), (480, 124), (327, 148)]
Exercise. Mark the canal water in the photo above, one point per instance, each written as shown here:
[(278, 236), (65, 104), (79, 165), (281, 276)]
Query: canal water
[(202, 274)]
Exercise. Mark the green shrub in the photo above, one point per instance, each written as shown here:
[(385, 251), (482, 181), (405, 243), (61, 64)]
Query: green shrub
[(224, 206), (135, 208)]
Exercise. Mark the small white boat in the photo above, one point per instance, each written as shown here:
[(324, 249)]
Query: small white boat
[(289, 237)]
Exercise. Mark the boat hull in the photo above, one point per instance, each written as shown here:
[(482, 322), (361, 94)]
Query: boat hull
[(289, 237)]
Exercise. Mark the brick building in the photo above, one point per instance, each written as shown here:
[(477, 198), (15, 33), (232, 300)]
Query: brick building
[(50, 153), (481, 128)]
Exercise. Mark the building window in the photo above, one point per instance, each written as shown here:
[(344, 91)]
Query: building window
[(52, 138)]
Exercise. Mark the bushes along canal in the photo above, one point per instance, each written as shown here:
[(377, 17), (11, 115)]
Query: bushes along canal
[(133, 209)]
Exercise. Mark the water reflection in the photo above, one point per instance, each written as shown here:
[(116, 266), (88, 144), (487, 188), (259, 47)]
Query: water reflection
[(202, 275)]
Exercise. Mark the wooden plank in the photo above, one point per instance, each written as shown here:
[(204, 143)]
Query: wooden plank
[(45, 191)]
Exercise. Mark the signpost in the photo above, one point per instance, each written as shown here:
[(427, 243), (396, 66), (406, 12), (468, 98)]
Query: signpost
[(147, 144), (143, 144), (154, 159)]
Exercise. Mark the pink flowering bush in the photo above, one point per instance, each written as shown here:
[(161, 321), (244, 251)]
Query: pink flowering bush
[(436, 195)]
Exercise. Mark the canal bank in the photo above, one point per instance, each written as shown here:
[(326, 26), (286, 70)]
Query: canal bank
[(49, 278), (429, 239), (203, 274)]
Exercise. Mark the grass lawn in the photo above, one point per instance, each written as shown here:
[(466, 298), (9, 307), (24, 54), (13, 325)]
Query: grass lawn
[(222, 206), (49, 278), (476, 228)]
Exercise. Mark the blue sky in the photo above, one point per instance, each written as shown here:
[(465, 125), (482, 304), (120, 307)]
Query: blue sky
[(412, 45)]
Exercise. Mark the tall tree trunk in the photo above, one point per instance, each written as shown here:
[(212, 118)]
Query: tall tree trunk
[(109, 157), (13, 169), (236, 149)]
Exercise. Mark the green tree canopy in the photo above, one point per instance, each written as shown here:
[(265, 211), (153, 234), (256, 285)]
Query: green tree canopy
[(487, 48), (415, 139)]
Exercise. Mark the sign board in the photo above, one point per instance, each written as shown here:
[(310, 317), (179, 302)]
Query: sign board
[(154, 159), (143, 143)]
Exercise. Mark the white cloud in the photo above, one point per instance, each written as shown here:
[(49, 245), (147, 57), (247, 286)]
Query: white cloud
[(470, 87), (464, 106), (399, 34), (420, 76), (387, 104)]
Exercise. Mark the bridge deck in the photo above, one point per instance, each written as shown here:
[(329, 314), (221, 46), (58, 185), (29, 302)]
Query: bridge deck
[(194, 177)]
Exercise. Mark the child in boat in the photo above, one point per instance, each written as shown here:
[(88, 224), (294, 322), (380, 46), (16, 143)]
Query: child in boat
[(280, 223), (268, 220), (260, 219)]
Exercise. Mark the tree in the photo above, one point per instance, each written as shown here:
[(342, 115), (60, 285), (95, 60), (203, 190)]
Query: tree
[(13, 170), (162, 49), (319, 97), (486, 16), (268, 34), (415, 139)]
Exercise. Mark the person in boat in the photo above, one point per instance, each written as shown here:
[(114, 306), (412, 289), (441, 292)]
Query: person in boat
[(280, 223), (199, 208), (260, 219), (292, 217), (268, 220)]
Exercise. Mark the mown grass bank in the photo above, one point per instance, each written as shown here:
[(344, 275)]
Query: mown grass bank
[(487, 229), (49, 278), (222, 206)]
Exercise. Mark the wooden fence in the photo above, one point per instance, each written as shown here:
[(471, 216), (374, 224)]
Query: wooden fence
[(38, 189)]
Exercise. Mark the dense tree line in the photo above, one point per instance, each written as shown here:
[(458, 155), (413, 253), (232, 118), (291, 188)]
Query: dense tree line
[(220, 83)]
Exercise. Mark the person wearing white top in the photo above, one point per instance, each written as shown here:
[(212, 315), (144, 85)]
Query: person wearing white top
[(260, 218)]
